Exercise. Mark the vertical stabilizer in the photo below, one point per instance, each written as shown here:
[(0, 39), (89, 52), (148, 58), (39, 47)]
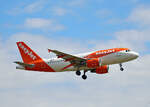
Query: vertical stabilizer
[(27, 54)]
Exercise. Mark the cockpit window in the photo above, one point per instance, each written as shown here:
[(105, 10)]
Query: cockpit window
[(127, 50)]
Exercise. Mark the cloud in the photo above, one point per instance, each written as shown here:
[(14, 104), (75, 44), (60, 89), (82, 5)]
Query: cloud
[(58, 11), (28, 8), (140, 15), (44, 24), (134, 39), (75, 3), (103, 13), (36, 6)]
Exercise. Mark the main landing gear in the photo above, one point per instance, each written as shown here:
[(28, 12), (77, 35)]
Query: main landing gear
[(78, 73), (83, 76), (121, 68)]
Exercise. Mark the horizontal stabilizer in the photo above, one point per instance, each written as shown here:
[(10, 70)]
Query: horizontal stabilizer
[(24, 64)]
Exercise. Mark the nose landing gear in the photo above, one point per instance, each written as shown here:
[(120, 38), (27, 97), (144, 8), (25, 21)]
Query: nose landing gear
[(121, 68)]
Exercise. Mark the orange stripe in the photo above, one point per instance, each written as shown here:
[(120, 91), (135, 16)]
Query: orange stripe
[(67, 66)]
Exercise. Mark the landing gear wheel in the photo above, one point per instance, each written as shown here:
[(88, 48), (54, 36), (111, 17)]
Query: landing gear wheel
[(84, 77), (78, 73), (121, 69)]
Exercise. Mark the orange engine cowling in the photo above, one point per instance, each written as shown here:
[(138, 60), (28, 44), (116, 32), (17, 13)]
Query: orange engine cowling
[(93, 63), (102, 70)]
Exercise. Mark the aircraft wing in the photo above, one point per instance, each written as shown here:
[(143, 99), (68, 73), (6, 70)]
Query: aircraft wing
[(67, 57)]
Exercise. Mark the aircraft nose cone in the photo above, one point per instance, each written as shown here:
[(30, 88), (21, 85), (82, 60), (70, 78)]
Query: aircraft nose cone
[(136, 55)]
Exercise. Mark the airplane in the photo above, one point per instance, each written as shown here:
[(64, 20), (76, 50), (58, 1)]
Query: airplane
[(96, 62)]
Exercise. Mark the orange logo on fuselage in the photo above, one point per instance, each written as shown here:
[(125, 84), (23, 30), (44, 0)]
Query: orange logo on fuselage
[(102, 53), (105, 52), (26, 51)]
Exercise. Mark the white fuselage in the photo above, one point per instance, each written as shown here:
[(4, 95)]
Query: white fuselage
[(113, 58)]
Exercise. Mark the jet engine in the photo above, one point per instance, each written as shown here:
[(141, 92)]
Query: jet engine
[(93, 63), (101, 70)]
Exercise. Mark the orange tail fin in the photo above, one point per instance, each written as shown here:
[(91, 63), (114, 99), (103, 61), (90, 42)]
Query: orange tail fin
[(27, 54)]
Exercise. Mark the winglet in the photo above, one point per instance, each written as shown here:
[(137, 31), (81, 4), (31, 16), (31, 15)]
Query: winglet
[(49, 50)]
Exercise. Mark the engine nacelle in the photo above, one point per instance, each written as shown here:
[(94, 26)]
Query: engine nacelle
[(102, 70), (93, 63)]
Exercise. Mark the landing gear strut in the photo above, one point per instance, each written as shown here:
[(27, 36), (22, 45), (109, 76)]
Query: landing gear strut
[(121, 68), (78, 72), (84, 76)]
